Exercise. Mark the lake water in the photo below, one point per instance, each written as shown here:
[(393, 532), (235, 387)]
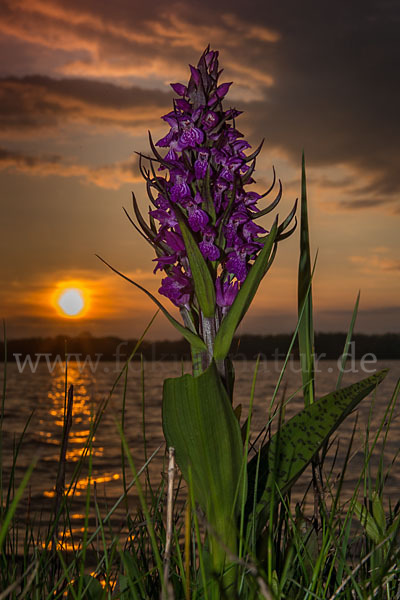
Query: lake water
[(41, 394)]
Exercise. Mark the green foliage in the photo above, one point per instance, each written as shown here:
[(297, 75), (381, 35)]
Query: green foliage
[(200, 424), (6, 520), (91, 589), (375, 523), (290, 450)]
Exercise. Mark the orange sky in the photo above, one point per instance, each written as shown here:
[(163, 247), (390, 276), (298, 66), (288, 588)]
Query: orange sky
[(83, 81)]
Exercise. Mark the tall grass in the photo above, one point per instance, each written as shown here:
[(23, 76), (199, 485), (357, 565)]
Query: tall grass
[(349, 551)]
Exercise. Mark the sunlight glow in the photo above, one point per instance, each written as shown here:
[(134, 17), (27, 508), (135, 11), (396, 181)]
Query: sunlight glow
[(71, 300)]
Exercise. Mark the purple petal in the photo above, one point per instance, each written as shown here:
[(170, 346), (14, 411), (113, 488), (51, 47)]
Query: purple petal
[(226, 292), (190, 138), (179, 88), (227, 174), (223, 89), (177, 287), (174, 241), (172, 119), (162, 202), (164, 217), (210, 57), (231, 227), (162, 261), (236, 264), (165, 141), (200, 165), (251, 199), (195, 74), (171, 155), (209, 250), (197, 219), (251, 229), (210, 119), (180, 189), (197, 113), (240, 145), (183, 105), (232, 113), (203, 142)]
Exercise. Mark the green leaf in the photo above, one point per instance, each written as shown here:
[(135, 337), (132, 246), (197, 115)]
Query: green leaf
[(199, 422), (203, 282), (378, 512), (131, 586), (225, 334), (347, 342), (93, 588), (368, 522), (290, 450), (306, 330), (194, 340)]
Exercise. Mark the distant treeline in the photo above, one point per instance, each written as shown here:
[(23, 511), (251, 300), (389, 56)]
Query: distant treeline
[(327, 345)]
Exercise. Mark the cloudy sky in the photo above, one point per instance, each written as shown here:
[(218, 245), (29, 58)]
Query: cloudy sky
[(81, 82)]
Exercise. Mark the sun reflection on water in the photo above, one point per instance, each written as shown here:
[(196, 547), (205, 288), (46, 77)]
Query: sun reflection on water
[(83, 410), (52, 421)]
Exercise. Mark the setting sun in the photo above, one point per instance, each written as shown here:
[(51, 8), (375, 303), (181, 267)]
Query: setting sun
[(71, 300)]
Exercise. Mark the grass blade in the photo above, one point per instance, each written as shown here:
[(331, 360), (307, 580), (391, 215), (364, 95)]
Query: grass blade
[(14, 504), (347, 342), (194, 340), (306, 329)]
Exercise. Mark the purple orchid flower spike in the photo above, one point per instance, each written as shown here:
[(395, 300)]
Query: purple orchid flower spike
[(206, 169)]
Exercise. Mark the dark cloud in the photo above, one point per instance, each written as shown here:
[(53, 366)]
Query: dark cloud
[(8, 157), (336, 92), (361, 203), (114, 41), (39, 102), (326, 73), (107, 176)]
